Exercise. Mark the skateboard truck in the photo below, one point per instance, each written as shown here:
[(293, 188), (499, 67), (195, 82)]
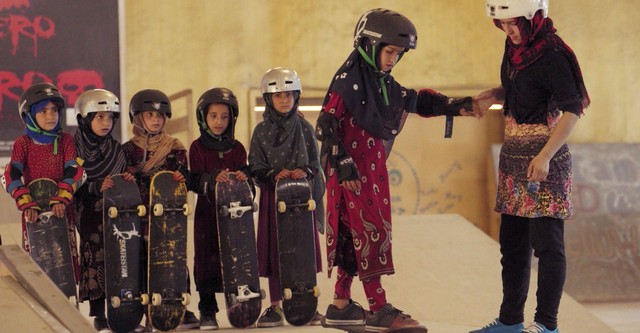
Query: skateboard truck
[(245, 294), (236, 210)]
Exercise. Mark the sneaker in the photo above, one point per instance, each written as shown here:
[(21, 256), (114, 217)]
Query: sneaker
[(189, 321), (351, 315), (538, 328), (317, 320), (271, 317), (208, 322), (497, 327), (388, 317), (101, 325)]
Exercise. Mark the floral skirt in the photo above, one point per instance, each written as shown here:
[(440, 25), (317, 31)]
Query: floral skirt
[(520, 197)]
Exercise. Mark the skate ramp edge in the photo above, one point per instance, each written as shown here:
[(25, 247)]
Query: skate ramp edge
[(30, 299)]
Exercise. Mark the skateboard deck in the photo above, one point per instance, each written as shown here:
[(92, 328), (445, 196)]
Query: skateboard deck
[(296, 248), (236, 235), (361, 328), (122, 241), (167, 275), (49, 239)]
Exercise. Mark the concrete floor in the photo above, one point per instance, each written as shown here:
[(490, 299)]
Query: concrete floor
[(447, 277)]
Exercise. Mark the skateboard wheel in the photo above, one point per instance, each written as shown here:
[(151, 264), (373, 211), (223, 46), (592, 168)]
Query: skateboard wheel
[(158, 210), (254, 206), (112, 212), (142, 210), (233, 299), (156, 299), (186, 208), (144, 299), (115, 302), (282, 207), (186, 299), (287, 294), (263, 294), (312, 204), (316, 291), (224, 210)]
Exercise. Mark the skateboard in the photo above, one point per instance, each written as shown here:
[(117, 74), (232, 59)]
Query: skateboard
[(296, 248), (167, 275), (122, 240), (49, 240), (361, 328), (236, 235)]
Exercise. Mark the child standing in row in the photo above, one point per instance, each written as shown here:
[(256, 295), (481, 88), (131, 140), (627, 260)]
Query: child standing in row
[(283, 145), (212, 157), (97, 111), (44, 152), (151, 150)]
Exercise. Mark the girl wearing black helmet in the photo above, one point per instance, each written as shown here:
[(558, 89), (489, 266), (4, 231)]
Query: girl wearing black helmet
[(151, 150), (363, 111), (44, 152), (212, 156), (544, 95)]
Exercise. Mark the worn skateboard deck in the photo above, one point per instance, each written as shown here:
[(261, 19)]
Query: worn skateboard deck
[(296, 248), (49, 239), (122, 241), (361, 328), (167, 275), (236, 235)]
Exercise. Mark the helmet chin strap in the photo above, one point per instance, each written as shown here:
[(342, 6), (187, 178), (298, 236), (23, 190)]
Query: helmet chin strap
[(372, 63), (38, 130)]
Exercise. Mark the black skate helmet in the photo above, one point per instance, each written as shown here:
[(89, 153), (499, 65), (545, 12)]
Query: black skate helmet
[(37, 93), (149, 100), (384, 26), (216, 95)]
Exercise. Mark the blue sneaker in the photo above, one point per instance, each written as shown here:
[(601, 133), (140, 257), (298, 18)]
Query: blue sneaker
[(497, 327), (539, 328)]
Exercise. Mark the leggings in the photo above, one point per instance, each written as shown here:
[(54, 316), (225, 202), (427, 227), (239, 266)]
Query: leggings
[(519, 237)]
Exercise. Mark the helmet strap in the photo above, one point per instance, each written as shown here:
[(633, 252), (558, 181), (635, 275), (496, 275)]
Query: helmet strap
[(370, 60)]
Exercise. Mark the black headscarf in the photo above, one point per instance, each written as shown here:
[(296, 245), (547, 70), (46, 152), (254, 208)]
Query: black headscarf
[(103, 156)]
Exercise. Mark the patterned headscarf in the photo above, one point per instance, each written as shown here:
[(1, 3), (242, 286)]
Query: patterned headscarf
[(539, 36), (103, 156), (161, 144)]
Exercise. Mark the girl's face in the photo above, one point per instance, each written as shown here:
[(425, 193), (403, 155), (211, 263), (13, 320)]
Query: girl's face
[(510, 27), (102, 123), (389, 57), (153, 121), (283, 101), (47, 118), (218, 118)]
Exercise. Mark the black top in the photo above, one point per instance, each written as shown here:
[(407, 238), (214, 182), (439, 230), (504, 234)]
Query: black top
[(544, 86)]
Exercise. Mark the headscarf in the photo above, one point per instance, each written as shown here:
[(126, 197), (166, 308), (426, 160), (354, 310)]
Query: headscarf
[(103, 156), (36, 133), (220, 143), (160, 143), (372, 97), (538, 37)]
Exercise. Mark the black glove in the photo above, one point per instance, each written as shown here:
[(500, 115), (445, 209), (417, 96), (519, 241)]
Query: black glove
[(347, 169)]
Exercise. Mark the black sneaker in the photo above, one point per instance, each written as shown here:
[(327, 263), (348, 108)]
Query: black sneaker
[(271, 317), (388, 317), (208, 322), (317, 320), (351, 315), (101, 325), (189, 321)]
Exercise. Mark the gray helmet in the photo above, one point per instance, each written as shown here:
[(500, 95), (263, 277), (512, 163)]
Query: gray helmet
[(384, 26), (149, 100), (280, 79), (97, 100), (37, 93)]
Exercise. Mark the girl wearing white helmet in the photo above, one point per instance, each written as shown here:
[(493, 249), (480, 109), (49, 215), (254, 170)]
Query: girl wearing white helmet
[(97, 111), (363, 111), (282, 146), (544, 95)]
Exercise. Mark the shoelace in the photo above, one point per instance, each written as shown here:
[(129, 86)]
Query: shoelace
[(534, 328), (492, 324)]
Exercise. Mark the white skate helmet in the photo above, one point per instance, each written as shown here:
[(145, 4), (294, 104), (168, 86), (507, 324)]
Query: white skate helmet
[(506, 9)]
